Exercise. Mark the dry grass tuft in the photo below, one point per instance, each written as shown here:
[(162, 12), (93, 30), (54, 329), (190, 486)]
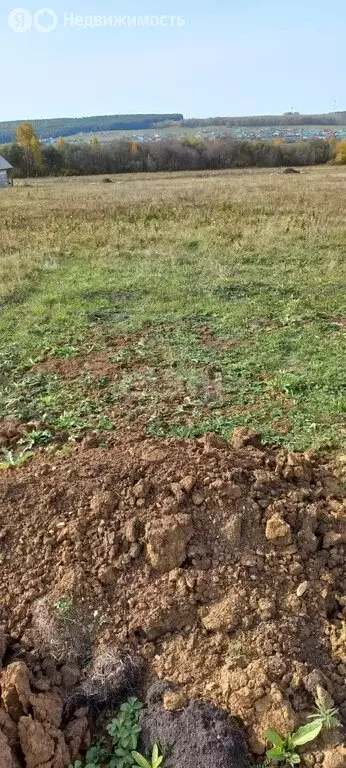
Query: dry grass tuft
[(113, 676), (112, 672), (61, 630)]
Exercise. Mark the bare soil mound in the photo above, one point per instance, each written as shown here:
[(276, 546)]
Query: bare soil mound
[(43, 723), (222, 564), (197, 735)]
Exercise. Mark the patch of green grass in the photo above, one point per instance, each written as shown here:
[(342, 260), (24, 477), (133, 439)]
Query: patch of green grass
[(215, 301)]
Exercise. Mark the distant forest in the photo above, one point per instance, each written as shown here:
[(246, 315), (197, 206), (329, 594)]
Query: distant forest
[(289, 118), (69, 126)]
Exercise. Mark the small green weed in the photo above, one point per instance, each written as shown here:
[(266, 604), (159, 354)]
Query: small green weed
[(15, 460), (124, 733), (37, 437), (284, 750), (156, 759), (63, 606), (328, 716), (96, 756)]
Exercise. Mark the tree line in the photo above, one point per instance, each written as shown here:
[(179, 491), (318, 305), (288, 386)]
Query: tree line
[(30, 157), (289, 118)]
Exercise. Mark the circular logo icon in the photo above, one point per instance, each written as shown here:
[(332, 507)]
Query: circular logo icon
[(45, 20), (20, 20)]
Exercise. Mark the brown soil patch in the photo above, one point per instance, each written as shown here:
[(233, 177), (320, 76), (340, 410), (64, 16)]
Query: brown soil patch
[(208, 339), (284, 426), (11, 431), (222, 564), (97, 365)]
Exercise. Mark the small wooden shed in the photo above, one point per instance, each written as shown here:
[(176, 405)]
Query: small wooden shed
[(5, 172)]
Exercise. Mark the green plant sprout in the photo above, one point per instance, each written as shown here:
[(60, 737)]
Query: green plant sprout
[(124, 731), (156, 759), (327, 715), (12, 460), (284, 750), (96, 756), (63, 606)]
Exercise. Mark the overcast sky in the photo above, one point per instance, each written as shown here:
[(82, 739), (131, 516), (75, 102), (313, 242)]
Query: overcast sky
[(228, 58)]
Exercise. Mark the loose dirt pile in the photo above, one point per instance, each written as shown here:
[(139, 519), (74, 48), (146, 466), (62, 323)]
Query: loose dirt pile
[(223, 565), (43, 724), (31, 717)]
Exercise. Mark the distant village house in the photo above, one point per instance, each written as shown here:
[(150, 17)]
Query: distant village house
[(5, 173)]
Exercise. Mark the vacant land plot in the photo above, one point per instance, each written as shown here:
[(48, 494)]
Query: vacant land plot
[(134, 313), (175, 305)]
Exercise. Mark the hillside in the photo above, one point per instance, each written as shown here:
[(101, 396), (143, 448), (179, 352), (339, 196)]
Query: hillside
[(68, 126), (71, 126)]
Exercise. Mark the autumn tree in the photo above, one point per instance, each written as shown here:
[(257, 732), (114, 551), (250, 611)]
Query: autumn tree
[(28, 140), (35, 147), (95, 144), (25, 133), (195, 142), (341, 152)]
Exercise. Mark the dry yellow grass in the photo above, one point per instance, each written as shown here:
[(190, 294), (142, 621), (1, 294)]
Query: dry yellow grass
[(54, 217)]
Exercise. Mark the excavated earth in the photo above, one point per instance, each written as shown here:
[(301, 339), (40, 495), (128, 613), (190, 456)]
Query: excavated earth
[(220, 565)]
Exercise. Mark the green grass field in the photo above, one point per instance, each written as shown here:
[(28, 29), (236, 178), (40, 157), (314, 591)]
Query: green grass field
[(175, 304)]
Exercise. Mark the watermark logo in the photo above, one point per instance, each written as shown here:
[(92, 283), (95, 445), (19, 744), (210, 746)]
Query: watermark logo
[(43, 20), (46, 20), (125, 21), (20, 20)]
